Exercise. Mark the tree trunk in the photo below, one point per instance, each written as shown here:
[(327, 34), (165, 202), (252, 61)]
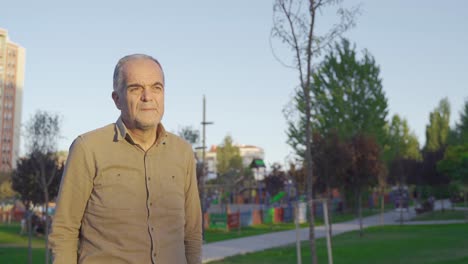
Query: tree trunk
[(361, 231), (312, 245), (382, 206), (466, 207), (46, 227), (28, 219), (343, 200), (329, 201), (401, 204), (309, 173)]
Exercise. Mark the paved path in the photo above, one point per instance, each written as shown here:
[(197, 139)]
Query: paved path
[(222, 249)]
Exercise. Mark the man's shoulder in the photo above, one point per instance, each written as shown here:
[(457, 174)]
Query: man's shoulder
[(102, 134), (178, 141)]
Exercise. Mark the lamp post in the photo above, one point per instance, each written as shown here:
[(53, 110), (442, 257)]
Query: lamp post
[(204, 123)]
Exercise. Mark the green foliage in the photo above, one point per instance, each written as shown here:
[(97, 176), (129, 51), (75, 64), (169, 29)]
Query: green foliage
[(228, 156), (347, 98), (459, 135), (437, 131), (26, 180), (37, 176), (401, 142), (6, 190), (348, 94), (229, 161), (455, 163), (190, 134)]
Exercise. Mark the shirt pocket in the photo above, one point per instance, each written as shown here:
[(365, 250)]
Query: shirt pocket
[(174, 190), (118, 188)]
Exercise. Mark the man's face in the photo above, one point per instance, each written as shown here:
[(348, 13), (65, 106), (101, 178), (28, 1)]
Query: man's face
[(141, 95)]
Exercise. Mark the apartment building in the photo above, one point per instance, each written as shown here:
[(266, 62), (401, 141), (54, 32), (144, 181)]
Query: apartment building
[(12, 63)]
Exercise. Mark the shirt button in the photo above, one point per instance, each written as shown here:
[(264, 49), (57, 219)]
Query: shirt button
[(154, 254), (149, 178), (151, 204), (152, 229)]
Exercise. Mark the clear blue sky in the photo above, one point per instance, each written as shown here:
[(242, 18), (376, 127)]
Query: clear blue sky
[(221, 49)]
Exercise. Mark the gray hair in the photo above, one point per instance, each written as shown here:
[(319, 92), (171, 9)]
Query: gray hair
[(122, 61)]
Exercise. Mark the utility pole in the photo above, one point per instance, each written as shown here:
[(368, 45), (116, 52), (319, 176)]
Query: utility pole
[(202, 179)]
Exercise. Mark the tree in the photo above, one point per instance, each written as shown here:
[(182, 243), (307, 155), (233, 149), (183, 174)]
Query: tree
[(274, 181), (6, 190), (41, 169), (299, 177), (190, 134), (431, 175), (227, 156), (228, 161), (401, 152), (348, 93), (459, 135), (455, 165), (332, 159), (400, 141), (438, 129), (348, 100), (366, 166), (294, 25)]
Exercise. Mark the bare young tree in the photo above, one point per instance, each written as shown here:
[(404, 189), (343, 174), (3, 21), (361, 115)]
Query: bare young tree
[(294, 23), (43, 131)]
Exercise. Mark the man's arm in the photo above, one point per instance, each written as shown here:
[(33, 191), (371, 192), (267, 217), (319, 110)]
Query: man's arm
[(75, 188), (193, 217)]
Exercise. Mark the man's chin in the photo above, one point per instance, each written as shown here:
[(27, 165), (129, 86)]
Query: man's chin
[(146, 125)]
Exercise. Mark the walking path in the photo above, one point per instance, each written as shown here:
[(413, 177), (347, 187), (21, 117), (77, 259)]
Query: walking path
[(223, 249)]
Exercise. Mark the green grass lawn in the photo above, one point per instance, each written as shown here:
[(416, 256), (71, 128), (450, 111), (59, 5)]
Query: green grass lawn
[(20, 255), (428, 244), (441, 215), (214, 235), (460, 204), (14, 248), (9, 235)]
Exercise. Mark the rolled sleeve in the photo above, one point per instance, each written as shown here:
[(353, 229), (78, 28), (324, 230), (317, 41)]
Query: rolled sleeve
[(75, 188), (193, 217)]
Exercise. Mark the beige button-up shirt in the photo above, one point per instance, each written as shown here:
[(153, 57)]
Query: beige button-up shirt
[(120, 204)]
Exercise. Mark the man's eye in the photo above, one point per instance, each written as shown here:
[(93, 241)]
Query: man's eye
[(133, 89)]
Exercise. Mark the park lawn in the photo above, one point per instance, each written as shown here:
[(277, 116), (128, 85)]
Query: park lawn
[(14, 247), (9, 235), (440, 215), (20, 255), (428, 244), (215, 235), (460, 204)]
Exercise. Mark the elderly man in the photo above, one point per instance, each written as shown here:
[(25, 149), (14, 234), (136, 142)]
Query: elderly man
[(129, 191)]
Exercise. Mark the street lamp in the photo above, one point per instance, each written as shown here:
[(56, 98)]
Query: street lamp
[(204, 123)]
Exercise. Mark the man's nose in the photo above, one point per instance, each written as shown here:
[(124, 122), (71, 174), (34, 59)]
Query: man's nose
[(146, 95)]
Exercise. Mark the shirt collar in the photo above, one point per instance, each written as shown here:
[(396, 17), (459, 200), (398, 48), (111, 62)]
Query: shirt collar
[(122, 132)]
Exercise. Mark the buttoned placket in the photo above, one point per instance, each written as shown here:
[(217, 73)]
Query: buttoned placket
[(149, 202)]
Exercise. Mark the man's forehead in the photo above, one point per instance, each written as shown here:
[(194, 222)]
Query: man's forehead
[(140, 63), (141, 69)]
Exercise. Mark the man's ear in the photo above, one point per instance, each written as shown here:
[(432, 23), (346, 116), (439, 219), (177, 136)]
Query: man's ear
[(115, 97)]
